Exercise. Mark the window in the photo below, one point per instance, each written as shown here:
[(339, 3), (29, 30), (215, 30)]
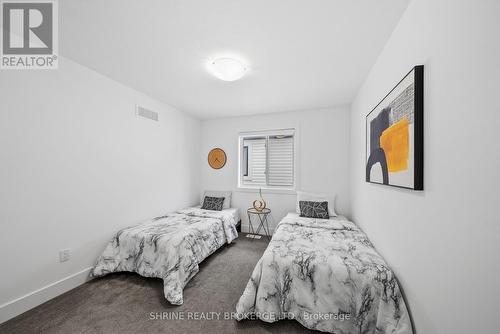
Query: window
[(245, 160), (267, 159)]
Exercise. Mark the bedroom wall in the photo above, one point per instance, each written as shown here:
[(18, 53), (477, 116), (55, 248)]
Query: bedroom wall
[(444, 242), (322, 158), (77, 165)]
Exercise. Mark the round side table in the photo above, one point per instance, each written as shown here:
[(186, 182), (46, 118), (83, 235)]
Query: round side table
[(262, 221)]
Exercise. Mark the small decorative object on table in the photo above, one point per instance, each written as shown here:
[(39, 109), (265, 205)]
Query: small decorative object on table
[(262, 222), (259, 205)]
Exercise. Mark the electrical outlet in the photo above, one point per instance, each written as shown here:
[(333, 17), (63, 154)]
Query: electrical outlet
[(64, 255)]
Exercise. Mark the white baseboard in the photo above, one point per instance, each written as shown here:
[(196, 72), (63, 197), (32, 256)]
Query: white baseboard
[(22, 304)]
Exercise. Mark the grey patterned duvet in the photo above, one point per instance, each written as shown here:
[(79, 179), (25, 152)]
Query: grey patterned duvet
[(327, 275), (168, 247)]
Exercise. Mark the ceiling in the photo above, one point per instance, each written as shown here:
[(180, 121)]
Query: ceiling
[(301, 54)]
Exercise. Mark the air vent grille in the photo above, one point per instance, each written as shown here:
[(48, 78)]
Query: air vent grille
[(146, 113)]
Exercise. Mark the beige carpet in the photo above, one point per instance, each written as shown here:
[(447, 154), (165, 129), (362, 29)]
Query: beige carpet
[(122, 303)]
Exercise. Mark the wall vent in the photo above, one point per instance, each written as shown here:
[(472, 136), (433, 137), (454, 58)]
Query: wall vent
[(146, 113)]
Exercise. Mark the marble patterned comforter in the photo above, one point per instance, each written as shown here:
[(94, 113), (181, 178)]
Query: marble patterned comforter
[(168, 247), (327, 275)]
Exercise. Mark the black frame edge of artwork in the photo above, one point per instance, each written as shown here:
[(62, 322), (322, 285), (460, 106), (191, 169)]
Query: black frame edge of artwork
[(419, 128), (418, 183)]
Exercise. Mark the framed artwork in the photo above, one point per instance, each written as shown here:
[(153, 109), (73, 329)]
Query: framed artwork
[(395, 135)]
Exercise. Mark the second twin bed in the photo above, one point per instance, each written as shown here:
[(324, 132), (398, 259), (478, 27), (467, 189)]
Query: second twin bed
[(326, 274)]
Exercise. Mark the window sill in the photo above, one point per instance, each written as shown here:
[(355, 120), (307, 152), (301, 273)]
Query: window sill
[(283, 191)]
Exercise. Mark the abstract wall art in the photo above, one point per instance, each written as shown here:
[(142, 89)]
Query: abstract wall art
[(395, 135)]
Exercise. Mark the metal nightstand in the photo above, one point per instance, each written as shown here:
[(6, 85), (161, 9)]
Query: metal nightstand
[(262, 222)]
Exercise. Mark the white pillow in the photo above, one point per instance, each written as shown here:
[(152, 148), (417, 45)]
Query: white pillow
[(217, 193), (317, 197)]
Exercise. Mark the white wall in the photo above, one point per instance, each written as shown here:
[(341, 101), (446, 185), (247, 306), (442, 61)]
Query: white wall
[(77, 165), (444, 242), (322, 160)]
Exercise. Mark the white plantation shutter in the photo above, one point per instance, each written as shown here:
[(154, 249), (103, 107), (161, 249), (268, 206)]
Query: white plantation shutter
[(269, 159), (256, 161), (280, 161)]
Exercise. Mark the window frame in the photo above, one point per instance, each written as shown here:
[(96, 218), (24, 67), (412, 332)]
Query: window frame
[(268, 133)]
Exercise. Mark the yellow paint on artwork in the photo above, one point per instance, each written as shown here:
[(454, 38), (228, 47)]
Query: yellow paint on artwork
[(395, 141)]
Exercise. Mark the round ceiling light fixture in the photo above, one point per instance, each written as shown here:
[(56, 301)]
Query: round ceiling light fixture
[(227, 69)]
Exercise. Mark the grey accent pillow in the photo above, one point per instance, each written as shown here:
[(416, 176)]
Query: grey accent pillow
[(218, 193), (213, 203), (310, 209)]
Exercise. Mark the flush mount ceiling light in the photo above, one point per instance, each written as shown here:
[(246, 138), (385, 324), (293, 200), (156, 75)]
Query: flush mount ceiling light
[(227, 69)]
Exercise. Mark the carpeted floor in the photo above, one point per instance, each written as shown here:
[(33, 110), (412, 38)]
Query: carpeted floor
[(123, 303)]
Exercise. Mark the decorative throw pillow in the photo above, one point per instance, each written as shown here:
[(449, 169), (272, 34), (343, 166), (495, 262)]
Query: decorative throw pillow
[(213, 203), (311, 209), (317, 197), (218, 193)]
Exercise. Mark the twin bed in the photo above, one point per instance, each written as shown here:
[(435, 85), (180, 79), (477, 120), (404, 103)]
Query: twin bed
[(324, 273), (169, 247)]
